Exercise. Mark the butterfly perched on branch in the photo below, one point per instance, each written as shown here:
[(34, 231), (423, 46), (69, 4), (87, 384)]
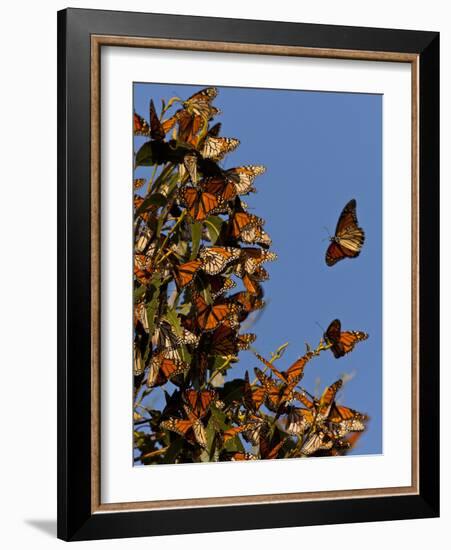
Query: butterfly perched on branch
[(162, 368), (294, 373), (199, 401), (243, 177), (342, 342), (349, 237), (216, 258), (190, 428)]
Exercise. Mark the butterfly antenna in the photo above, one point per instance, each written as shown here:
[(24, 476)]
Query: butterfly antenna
[(321, 327), (329, 236)]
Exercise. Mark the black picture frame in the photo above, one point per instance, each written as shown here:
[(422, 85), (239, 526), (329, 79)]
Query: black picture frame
[(76, 520)]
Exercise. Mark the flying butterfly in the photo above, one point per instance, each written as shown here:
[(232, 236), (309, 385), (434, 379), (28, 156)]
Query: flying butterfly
[(342, 342), (349, 237), (216, 258)]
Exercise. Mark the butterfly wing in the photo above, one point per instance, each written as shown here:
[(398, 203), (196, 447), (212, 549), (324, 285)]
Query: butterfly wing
[(349, 237), (140, 126), (156, 129), (215, 258), (184, 273)]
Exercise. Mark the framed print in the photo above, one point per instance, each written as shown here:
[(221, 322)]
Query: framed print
[(248, 274)]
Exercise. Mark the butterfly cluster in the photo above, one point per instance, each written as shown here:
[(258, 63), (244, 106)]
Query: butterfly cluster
[(200, 263)]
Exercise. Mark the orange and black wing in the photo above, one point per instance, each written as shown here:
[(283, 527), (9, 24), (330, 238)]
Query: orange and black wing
[(140, 126), (342, 342), (156, 129), (185, 273), (349, 237), (200, 204)]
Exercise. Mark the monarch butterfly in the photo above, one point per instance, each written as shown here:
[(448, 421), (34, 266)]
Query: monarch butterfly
[(327, 400), (338, 413), (185, 273), (216, 148), (140, 315), (225, 341), (162, 369), (210, 316), (191, 428), (190, 165), (214, 130), (342, 342), (239, 456), (219, 284), (346, 426), (255, 234), (244, 176), (251, 282), (140, 126), (269, 450), (251, 430), (143, 269), (219, 186), (251, 259), (253, 396), (216, 258), (298, 420), (349, 237), (199, 103), (156, 128), (318, 441), (277, 395), (247, 303), (138, 363), (200, 203), (242, 221), (199, 401), (294, 373), (138, 183)]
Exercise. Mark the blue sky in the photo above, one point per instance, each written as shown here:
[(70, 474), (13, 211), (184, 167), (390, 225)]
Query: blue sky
[(321, 149)]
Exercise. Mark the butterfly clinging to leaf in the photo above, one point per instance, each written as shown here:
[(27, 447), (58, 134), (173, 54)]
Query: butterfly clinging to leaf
[(349, 237)]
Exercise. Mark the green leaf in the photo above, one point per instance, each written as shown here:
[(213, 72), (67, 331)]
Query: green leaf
[(157, 199), (152, 304), (196, 233), (232, 391), (174, 449), (172, 317), (214, 224), (139, 293)]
